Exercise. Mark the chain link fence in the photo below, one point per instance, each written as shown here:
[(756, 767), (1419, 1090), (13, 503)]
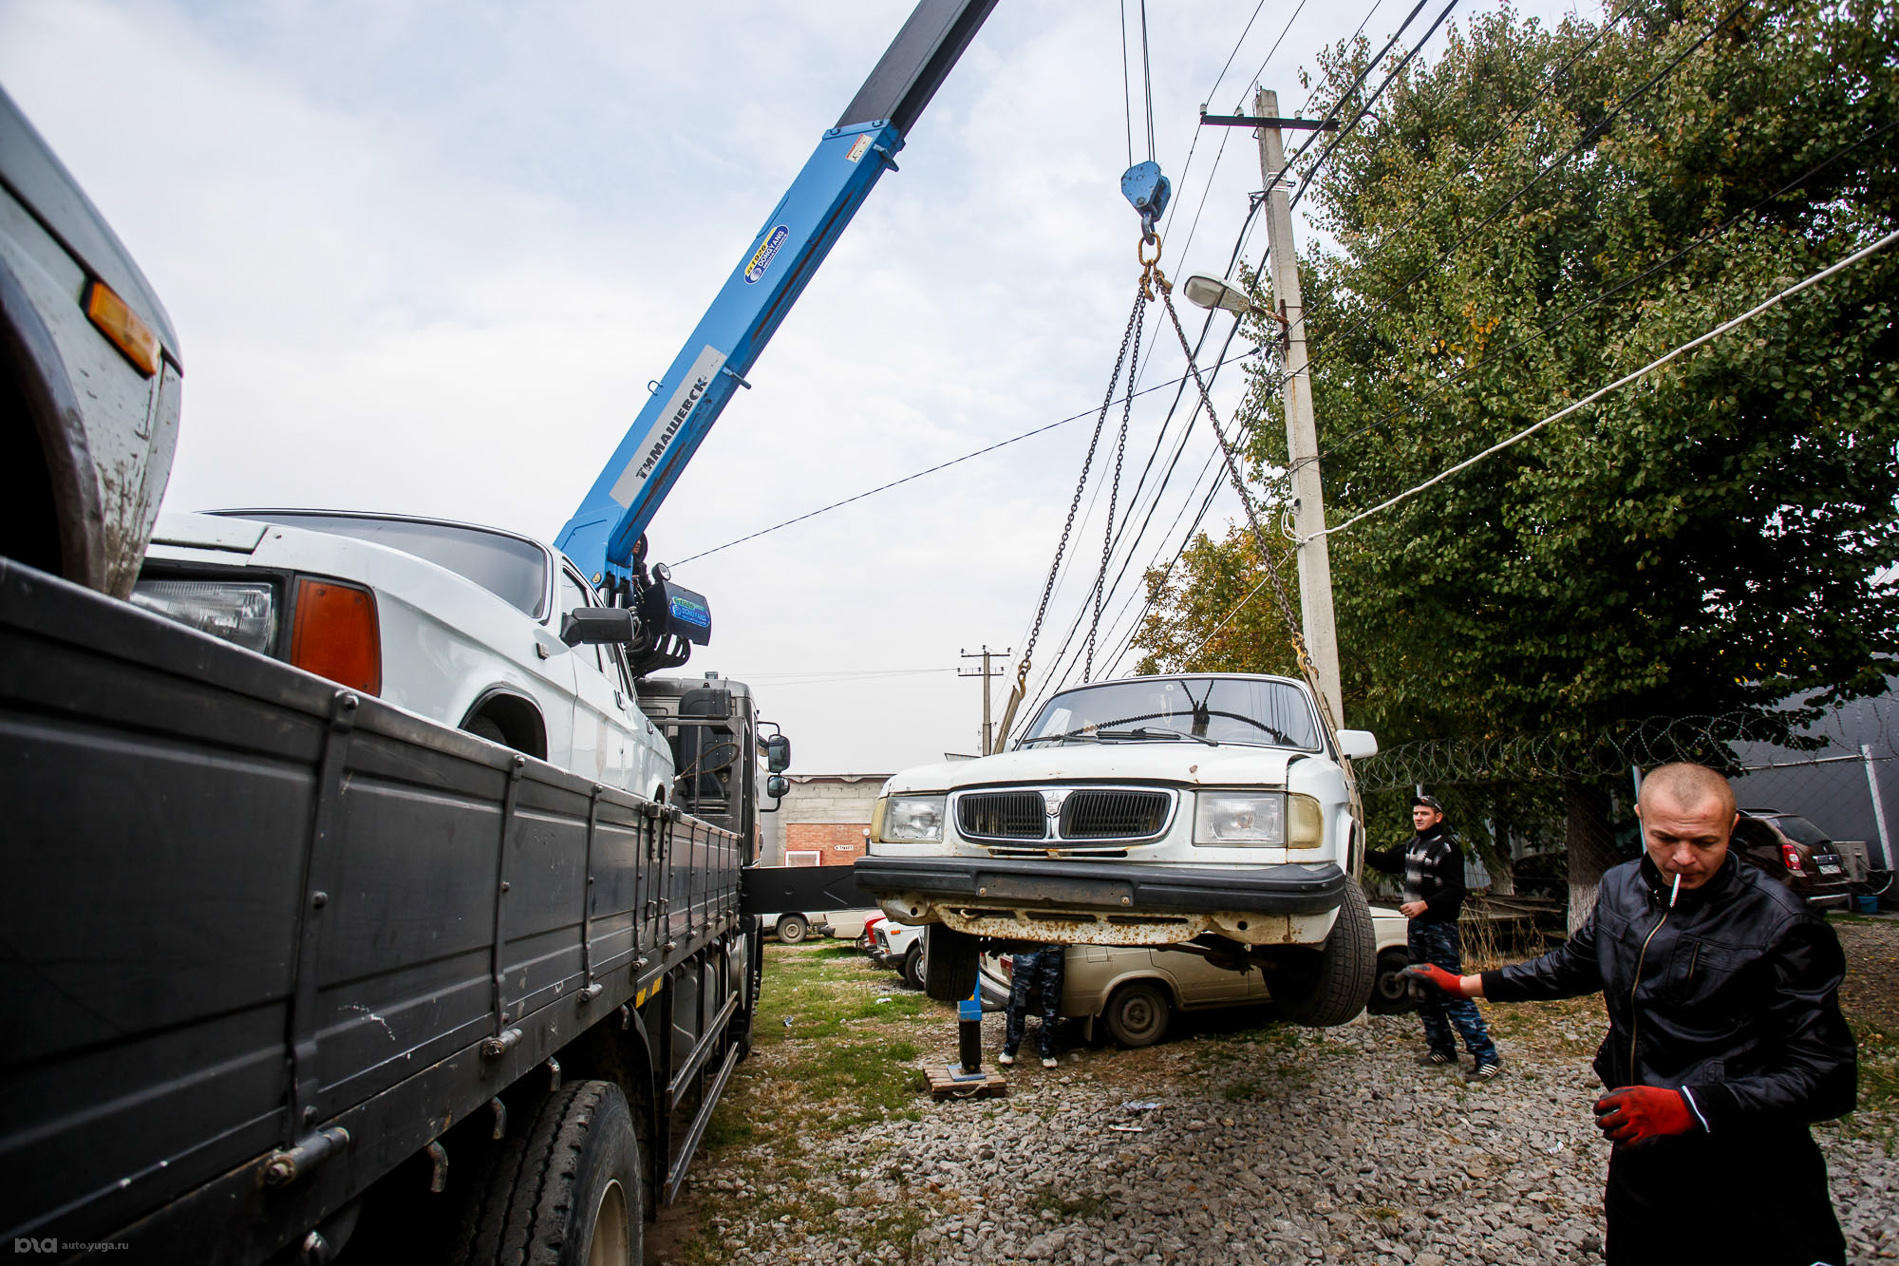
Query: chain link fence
[(1524, 804)]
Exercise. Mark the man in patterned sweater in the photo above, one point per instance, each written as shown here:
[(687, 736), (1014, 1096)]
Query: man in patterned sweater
[(1432, 863)]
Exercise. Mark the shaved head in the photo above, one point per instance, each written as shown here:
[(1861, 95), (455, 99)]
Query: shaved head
[(1686, 786)]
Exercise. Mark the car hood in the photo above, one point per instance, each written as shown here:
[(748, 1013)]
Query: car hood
[(1177, 762), (207, 531)]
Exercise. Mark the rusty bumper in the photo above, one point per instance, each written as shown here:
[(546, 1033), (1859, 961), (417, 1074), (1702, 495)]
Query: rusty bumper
[(1103, 887)]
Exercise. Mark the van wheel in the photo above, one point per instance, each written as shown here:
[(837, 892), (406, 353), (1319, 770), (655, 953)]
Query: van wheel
[(1139, 1013), (1329, 986), (792, 928), (1390, 994), (565, 1191), (949, 963)]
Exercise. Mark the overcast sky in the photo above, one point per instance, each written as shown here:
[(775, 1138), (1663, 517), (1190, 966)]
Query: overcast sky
[(424, 257)]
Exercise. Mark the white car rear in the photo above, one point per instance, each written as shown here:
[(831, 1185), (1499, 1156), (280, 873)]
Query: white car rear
[(456, 623)]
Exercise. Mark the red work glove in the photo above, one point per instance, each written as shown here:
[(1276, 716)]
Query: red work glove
[(1435, 976), (1636, 1114)]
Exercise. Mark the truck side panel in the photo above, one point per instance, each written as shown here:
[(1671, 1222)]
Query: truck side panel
[(246, 907)]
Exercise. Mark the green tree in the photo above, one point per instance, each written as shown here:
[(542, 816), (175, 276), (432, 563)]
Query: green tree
[(1714, 539)]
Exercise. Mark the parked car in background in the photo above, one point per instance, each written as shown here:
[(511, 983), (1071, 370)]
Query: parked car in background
[(461, 624), (899, 946), (1796, 851), (89, 377), (1137, 991), (792, 927)]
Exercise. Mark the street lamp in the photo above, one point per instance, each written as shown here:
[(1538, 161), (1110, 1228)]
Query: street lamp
[(1211, 293)]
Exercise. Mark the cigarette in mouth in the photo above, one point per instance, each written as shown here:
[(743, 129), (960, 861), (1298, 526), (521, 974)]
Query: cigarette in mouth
[(1675, 891)]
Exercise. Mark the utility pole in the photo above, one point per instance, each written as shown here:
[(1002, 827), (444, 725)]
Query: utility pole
[(985, 655), (1302, 436)]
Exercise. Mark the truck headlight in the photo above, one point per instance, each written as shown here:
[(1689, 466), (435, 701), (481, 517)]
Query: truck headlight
[(913, 819), (1254, 819), (239, 611)]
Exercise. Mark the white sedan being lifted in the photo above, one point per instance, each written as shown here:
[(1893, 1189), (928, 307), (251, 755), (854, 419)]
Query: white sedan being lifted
[(482, 629), (1144, 811)]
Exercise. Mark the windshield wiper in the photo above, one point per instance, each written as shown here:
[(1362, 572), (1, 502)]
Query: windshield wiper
[(1142, 732)]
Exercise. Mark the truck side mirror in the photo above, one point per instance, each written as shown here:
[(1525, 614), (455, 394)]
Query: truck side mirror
[(776, 786), (778, 755), (1357, 744), (597, 625)]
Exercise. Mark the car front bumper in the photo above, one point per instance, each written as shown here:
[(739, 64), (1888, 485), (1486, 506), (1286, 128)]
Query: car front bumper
[(1108, 903)]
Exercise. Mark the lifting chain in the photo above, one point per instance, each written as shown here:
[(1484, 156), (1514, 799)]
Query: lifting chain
[(1114, 489), (1276, 583), (1129, 338)]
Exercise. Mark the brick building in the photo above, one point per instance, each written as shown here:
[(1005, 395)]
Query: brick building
[(822, 821)]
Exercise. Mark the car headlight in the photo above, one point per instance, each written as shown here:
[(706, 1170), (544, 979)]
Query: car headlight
[(239, 611), (1252, 819), (913, 819)]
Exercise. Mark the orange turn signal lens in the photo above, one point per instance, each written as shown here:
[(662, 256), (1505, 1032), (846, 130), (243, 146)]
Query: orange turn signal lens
[(335, 634), (122, 327)]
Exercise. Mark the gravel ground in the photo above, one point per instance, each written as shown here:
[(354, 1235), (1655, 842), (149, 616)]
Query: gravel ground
[(1236, 1142)]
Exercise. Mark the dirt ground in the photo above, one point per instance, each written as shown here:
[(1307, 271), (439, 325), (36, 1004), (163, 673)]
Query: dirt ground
[(1564, 1031)]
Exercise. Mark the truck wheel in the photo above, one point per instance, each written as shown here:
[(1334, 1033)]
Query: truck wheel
[(912, 967), (1139, 1013), (1390, 994), (949, 963), (792, 928), (565, 1191), (1328, 987)]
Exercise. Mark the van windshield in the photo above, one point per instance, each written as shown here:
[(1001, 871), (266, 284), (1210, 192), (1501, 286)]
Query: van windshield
[(1242, 710)]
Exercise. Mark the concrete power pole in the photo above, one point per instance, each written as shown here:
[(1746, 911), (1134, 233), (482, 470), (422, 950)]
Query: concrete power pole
[(985, 655), (1302, 436)]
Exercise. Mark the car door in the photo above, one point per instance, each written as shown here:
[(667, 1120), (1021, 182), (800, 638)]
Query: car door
[(603, 712)]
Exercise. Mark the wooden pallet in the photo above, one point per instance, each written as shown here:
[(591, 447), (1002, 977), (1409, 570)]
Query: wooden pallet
[(944, 1083)]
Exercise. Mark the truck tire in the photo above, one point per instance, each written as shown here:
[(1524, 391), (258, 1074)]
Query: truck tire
[(1328, 987), (565, 1191), (912, 967), (793, 928), (949, 963), (1139, 1013), (1391, 994)]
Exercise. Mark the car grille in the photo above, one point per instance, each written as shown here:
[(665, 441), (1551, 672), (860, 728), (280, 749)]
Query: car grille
[(1114, 815), (1088, 816)]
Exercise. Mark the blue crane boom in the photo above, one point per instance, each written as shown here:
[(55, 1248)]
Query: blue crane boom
[(604, 534)]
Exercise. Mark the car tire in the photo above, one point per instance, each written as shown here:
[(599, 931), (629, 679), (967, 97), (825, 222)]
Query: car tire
[(949, 963), (1327, 987), (1139, 1013), (911, 968), (793, 928), (565, 1191), (1391, 993)]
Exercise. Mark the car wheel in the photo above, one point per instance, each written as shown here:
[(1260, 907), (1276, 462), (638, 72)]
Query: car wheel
[(1329, 986), (949, 963), (1391, 994), (792, 928), (1139, 1013), (912, 967), (485, 728)]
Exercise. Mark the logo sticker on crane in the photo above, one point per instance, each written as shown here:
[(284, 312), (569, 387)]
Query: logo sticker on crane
[(665, 425), (859, 148), (762, 257)]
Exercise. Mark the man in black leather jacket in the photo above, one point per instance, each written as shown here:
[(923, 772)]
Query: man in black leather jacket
[(1725, 1040)]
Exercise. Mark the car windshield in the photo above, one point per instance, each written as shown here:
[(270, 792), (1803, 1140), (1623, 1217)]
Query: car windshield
[(1179, 709), (1802, 831), (510, 568)]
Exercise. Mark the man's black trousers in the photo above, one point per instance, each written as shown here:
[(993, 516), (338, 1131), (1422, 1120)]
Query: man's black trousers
[(1758, 1198)]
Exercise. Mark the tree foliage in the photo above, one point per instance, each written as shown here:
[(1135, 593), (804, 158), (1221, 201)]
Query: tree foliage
[(1715, 538)]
